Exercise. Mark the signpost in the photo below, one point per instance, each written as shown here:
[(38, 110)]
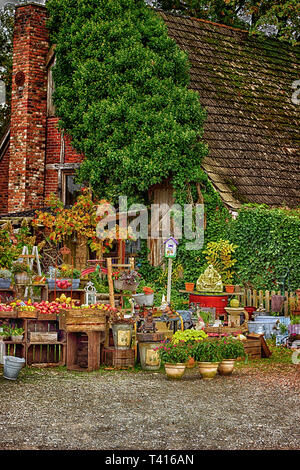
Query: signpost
[(170, 253)]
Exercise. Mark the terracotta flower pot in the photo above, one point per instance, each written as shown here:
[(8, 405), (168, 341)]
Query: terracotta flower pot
[(175, 371), (190, 363), (189, 286), (208, 370), (229, 288), (226, 367)]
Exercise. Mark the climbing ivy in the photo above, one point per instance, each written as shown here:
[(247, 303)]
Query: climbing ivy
[(268, 252), (121, 92)]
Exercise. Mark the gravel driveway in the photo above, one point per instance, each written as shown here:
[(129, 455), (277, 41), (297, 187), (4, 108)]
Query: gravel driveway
[(61, 410)]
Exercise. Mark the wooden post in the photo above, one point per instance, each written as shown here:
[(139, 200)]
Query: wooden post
[(110, 283), (169, 280)]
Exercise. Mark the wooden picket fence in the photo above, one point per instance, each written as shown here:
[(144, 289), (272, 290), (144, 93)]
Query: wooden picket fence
[(255, 298)]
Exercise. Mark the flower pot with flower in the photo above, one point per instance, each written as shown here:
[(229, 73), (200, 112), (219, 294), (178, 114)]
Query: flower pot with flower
[(127, 280), (230, 349), (174, 357), (22, 272), (207, 355)]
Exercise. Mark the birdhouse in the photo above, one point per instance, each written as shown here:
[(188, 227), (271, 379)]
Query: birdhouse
[(170, 247)]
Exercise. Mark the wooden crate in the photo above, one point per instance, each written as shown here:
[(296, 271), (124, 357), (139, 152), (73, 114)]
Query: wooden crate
[(226, 329), (83, 350), (77, 320), (123, 358), (43, 337), (27, 314), (8, 314), (47, 316), (252, 347), (46, 355)]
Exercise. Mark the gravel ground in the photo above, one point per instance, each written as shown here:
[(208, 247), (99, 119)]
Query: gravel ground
[(109, 410)]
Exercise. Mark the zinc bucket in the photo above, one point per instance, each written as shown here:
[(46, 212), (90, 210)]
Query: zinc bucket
[(12, 367), (149, 358)]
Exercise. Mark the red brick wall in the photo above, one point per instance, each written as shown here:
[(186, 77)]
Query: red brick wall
[(4, 165), (53, 154), (29, 107)]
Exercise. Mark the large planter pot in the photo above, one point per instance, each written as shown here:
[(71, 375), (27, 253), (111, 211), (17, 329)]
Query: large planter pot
[(122, 285), (208, 370), (22, 278), (175, 371), (122, 335), (226, 367), (5, 283), (12, 367)]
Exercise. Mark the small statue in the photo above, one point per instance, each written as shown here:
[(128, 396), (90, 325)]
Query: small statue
[(148, 325), (209, 281)]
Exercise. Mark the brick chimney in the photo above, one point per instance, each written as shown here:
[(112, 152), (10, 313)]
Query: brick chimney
[(28, 109)]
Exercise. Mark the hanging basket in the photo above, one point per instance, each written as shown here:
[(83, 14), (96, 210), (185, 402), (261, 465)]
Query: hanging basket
[(123, 285)]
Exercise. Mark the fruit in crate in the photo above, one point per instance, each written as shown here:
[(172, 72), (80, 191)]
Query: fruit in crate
[(6, 307), (63, 284)]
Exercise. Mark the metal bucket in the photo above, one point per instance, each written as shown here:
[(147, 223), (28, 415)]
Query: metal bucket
[(12, 367), (122, 335), (149, 358)]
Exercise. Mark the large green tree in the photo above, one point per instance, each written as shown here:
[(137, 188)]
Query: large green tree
[(278, 18), (122, 95)]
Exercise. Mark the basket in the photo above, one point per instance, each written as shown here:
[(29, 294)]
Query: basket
[(123, 285)]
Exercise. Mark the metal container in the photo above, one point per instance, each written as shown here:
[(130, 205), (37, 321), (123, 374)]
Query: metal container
[(12, 367), (144, 299), (122, 335), (149, 358)]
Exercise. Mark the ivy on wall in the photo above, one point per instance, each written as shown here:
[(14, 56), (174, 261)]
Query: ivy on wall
[(268, 252)]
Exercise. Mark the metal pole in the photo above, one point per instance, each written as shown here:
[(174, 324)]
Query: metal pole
[(169, 280)]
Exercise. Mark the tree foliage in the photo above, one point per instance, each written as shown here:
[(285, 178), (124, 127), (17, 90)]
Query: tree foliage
[(279, 18), (121, 94)]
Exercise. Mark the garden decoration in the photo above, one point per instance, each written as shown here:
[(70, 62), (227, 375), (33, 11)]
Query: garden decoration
[(219, 255), (170, 254), (209, 281), (90, 293)]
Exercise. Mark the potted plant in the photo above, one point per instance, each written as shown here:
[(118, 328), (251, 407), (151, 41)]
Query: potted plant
[(230, 349), (5, 278), (17, 334), (174, 357), (189, 338), (207, 354), (127, 280), (189, 286), (5, 333), (21, 272), (122, 328)]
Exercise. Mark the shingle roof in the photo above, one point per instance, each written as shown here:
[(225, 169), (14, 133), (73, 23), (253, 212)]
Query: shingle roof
[(252, 126)]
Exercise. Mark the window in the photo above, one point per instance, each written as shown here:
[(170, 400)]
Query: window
[(70, 189)]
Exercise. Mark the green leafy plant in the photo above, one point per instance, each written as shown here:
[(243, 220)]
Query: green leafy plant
[(206, 351), (21, 267), (283, 328), (17, 332), (231, 348), (68, 272), (219, 254), (188, 336), (5, 334), (173, 353), (295, 320)]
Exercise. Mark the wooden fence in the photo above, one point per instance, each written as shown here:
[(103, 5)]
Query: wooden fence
[(255, 298)]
